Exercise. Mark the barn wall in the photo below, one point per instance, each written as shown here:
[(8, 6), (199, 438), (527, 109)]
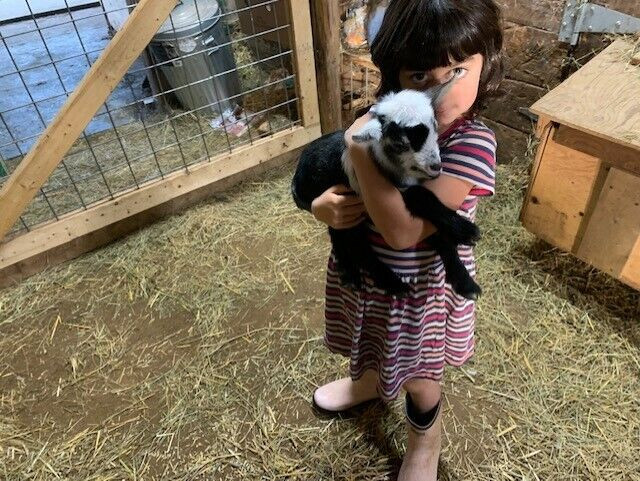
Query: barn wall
[(535, 62)]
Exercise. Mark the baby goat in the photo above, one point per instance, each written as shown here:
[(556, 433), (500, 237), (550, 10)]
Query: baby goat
[(402, 139)]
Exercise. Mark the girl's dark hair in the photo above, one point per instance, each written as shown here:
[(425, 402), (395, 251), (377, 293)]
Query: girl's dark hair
[(426, 34)]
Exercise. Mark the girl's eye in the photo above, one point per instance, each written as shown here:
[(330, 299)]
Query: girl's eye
[(457, 72), (418, 77)]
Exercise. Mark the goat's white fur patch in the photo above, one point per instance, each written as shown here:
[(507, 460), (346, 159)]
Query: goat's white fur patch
[(407, 108)]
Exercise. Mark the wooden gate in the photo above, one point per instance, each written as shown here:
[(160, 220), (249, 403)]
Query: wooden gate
[(29, 243)]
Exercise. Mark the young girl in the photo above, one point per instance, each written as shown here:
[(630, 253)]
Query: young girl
[(404, 342)]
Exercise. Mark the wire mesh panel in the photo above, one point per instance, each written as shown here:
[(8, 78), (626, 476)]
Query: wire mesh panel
[(216, 76)]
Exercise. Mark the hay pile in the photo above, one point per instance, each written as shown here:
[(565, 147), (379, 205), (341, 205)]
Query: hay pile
[(190, 351)]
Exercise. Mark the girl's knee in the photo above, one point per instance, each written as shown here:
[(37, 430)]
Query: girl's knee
[(419, 386), (424, 392)]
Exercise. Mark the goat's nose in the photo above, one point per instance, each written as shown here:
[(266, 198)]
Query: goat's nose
[(436, 167)]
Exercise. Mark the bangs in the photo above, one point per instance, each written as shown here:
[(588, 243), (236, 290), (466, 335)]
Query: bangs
[(422, 35), (435, 34), (433, 47)]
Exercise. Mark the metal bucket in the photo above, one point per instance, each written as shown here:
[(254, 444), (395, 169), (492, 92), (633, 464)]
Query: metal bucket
[(198, 35)]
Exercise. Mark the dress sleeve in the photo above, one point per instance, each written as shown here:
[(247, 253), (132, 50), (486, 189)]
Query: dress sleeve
[(471, 156)]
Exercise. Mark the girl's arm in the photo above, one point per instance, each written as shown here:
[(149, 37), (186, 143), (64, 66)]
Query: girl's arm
[(385, 205)]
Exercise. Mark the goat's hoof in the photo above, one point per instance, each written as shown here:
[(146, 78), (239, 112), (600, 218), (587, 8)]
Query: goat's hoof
[(396, 288), (468, 289), (351, 282)]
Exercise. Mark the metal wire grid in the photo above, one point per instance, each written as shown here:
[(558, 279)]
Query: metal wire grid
[(164, 142)]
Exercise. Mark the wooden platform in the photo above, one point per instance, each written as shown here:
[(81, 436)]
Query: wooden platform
[(584, 194)]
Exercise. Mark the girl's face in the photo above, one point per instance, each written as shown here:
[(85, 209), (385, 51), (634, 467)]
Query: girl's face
[(461, 96)]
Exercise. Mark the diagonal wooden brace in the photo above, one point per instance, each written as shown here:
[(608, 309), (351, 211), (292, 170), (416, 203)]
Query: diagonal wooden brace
[(94, 89)]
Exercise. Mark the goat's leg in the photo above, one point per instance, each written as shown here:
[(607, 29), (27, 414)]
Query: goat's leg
[(354, 252), (457, 274), (382, 275), (347, 254), (423, 203)]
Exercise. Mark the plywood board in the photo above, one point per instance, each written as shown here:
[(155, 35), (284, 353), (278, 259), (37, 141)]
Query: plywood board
[(602, 98), (615, 155), (631, 270), (614, 227), (561, 191)]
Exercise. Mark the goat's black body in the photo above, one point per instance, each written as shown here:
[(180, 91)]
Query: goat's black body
[(320, 167)]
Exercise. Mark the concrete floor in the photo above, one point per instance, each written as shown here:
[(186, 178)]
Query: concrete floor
[(13, 9), (25, 110)]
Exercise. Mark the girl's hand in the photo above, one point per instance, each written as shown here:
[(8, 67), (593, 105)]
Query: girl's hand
[(338, 207)]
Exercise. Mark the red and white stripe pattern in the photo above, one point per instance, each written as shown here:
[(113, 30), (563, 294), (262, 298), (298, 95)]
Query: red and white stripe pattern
[(415, 335)]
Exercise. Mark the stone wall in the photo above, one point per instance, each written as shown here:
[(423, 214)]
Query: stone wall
[(535, 62)]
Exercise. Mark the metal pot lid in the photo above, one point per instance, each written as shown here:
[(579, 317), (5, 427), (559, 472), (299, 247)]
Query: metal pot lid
[(188, 14)]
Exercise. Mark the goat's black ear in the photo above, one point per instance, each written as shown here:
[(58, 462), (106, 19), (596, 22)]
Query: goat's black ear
[(417, 136)]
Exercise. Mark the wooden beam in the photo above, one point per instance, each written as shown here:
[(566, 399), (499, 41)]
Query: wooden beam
[(544, 131), (79, 109), (83, 231), (304, 65), (611, 153), (325, 19)]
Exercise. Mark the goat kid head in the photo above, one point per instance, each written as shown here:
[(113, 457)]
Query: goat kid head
[(403, 132)]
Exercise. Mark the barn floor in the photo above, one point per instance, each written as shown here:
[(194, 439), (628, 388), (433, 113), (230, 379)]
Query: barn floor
[(190, 351)]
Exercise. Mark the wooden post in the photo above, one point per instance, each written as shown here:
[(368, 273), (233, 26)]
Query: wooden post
[(80, 107), (302, 41), (325, 19)]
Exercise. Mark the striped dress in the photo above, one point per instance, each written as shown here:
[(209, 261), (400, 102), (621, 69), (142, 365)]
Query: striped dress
[(416, 334)]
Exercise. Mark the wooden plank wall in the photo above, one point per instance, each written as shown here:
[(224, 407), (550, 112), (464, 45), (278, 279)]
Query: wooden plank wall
[(535, 61)]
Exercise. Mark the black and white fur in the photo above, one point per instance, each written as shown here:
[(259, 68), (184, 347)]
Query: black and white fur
[(402, 138)]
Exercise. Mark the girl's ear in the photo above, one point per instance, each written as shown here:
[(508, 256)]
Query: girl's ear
[(438, 92)]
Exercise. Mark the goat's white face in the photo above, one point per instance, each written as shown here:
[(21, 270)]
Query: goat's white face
[(406, 133)]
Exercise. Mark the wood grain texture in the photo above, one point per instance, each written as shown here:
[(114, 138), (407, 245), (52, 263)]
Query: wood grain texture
[(560, 192), (79, 109), (612, 154), (614, 227), (601, 98), (631, 270), (325, 18), (302, 39), (544, 131), (505, 109), (542, 14), (534, 56)]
